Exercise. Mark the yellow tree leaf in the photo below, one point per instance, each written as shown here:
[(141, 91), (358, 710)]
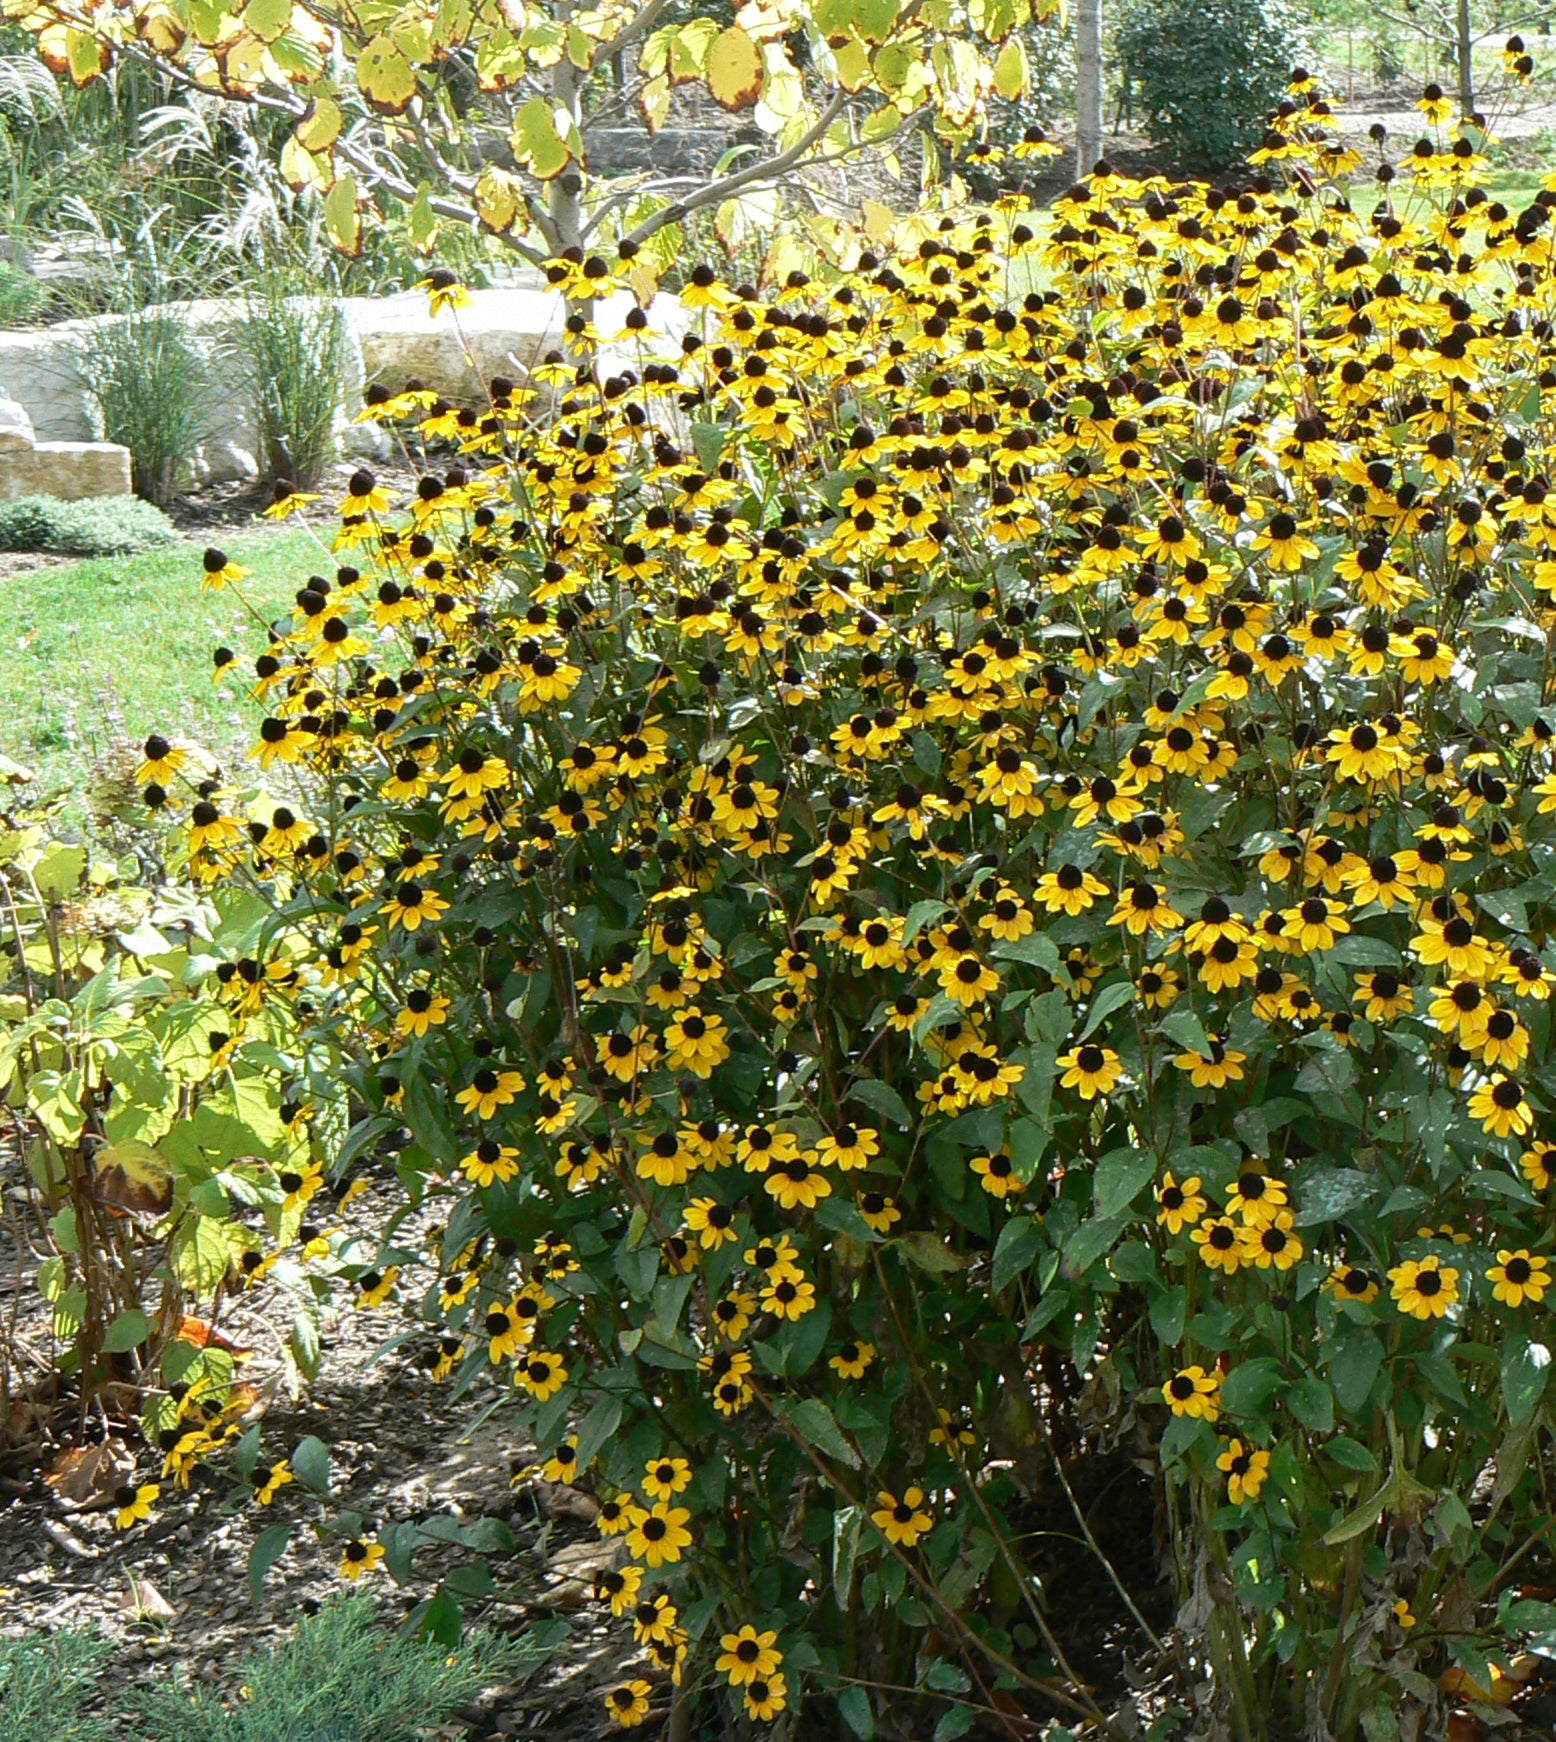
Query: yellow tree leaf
[(319, 127), (497, 198), (452, 24), (86, 57), (302, 168), (654, 100), (1012, 72), (385, 76), (160, 28), (536, 142), (423, 221), (853, 65), (734, 69), (341, 217), (267, 19)]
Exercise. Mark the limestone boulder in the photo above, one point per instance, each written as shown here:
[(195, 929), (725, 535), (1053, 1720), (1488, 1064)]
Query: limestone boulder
[(16, 429), (506, 330), (70, 470)]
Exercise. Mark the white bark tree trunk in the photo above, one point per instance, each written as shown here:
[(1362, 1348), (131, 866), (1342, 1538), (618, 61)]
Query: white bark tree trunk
[(1088, 85)]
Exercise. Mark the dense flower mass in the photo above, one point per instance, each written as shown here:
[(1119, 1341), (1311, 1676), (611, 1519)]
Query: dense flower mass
[(989, 806)]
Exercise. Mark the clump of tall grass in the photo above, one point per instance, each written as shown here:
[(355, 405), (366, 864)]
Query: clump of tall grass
[(289, 345)]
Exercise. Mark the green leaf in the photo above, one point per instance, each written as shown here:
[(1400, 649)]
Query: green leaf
[(881, 1098), (128, 1331), (597, 1427), (311, 1464), (1020, 1240), (1312, 1403), (1109, 999), (1184, 1028), (1088, 1243), (1120, 1177), (920, 914), (817, 1426), (245, 1455), (847, 1522), (854, 1704), (268, 1548), (1038, 949), (1250, 1385), (1525, 1367), (1353, 1367), (1350, 1454)]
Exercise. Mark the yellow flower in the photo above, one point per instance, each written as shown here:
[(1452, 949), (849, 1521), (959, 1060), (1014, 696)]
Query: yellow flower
[(1246, 1470), (666, 1477), (1180, 1206), (1221, 1066), (660, 1536), (132, 1505), (1519, 1276), (853, 1358), (280, 1475), (359, 1557), (996, 1173), (902, 1521), (1500, 1107), (696, 1043), (765, 1697), (1192, 1391), (1425, 1288), (1094, 1070), (749, 1656), (628, 1703)]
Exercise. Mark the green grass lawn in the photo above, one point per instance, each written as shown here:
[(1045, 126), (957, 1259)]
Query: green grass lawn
[(97, 654)]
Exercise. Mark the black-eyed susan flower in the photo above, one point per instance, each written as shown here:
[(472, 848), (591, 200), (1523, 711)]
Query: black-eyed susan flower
[(853, 1358), (1518, 1276), (663, 1478), (360, 1555), (1425, 1288), (132, 1504), (1193, 1392), (1246, 1468), (749, 1655), (276, 1478), (659, 1537), (628, 1703), (1093, 1070), (903, 1521), (1180, 1205)]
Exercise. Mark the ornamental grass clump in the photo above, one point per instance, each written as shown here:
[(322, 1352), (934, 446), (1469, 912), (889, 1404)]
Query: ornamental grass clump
[(954, 876)]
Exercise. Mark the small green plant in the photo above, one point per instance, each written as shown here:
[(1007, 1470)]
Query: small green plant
[(342, 1677), (290, 345), (45, 1680), (21, 297), (104, 526)]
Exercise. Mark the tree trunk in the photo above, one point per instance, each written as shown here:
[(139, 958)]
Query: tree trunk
[(1088, 85), (1464, 46)]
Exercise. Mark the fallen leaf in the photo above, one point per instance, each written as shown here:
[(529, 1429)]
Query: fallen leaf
[(87, 1476), (144, 1602)]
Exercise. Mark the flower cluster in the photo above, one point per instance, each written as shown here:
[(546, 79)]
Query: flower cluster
[(798, 835)]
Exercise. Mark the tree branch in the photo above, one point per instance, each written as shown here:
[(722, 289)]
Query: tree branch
[(756, 172)]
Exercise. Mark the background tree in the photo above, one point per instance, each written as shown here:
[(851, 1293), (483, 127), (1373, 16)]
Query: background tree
[(483, 111), (1088, 85), (1208, 72)]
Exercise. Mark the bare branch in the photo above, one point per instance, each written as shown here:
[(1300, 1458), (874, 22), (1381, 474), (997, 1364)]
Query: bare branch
[(767, 170)]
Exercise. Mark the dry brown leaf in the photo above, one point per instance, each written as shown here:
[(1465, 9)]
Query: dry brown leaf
[(87, 1476)]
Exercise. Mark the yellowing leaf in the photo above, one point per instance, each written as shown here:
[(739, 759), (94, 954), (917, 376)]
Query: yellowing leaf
[(86, 57), (302, 168), (319, 127), (160, 28), (341, 217), (267, 18), (654, 100), (853, 66), (1012, 72), (497, 196), (735, 69), (452, 24), (423, 221), (536, 141), (385, 76)]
